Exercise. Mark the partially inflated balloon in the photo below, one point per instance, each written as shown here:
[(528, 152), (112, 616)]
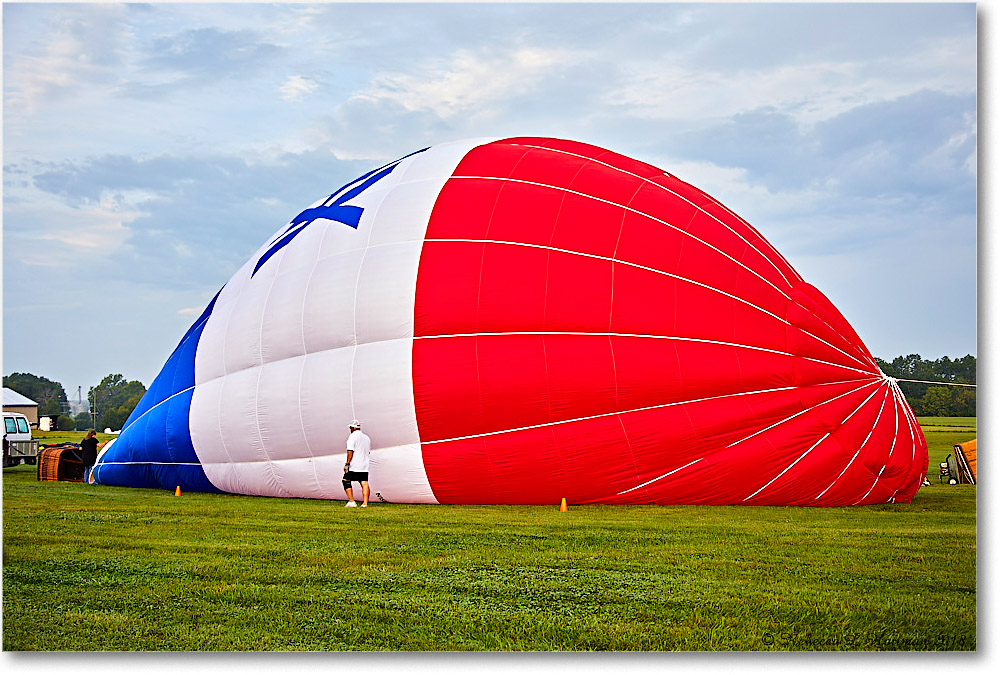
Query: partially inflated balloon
[(519, 321)]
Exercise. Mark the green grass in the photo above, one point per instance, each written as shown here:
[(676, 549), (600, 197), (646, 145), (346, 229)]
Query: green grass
[(104, 568), (964, 424), (53, 437), (943, 434)]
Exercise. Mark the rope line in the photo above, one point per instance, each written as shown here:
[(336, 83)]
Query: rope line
[(949, 384)]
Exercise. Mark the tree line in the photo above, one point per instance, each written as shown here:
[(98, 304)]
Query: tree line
[(50, 396), (928, 399), (113, 399)]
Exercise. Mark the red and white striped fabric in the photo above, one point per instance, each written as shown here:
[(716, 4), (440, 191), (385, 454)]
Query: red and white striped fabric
[(527, 319)]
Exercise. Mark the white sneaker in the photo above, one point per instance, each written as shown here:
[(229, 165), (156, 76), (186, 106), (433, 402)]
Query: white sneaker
[(351, 505), (364, 506)]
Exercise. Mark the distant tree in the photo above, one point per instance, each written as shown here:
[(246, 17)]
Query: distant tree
[(50, 396), (926, 399), (65, 423), (963, 401), (114, 399), (83, 421), (959, 370), (936, 402)]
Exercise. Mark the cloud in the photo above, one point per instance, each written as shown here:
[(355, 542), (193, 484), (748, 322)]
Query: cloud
[(197, 57), (468, 81), (813, 62), (81, 182), (916, 144), (52, 234), (759, 37), (179, 222), (509, 91), (681, 92), (862, 175), (54, 60), (297, 87), (210, 52)]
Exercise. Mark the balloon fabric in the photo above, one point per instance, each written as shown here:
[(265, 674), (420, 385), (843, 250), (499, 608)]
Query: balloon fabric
[(519, 321)]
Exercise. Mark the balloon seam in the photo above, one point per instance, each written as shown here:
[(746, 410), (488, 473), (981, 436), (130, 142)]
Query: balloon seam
[(789, 467), (637, 212), (801, 412), (863, 443), (654, 271), (613, 260), (607, 414), (895, 437), (696, 206), (669, 473)]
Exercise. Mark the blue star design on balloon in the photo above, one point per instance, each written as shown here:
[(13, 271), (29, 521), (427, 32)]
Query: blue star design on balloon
[(334, 207)]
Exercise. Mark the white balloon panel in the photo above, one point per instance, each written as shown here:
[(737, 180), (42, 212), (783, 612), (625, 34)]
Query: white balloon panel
[(321, 334)]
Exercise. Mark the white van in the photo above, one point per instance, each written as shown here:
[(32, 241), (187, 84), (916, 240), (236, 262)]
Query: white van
[(17, 442)]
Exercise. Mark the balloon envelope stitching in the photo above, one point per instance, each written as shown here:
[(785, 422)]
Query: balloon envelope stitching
[(669, 473), (595, 256), (609, 414), (627, 208), (655, 271), (788, 468), (649, 181), (863, 443), (800, 413)]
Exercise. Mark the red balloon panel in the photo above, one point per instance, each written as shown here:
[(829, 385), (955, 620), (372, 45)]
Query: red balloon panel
[(578, 294), (447, 301), (464, 210), (588, 226), (525, 213), (635, 341), (511, 287)]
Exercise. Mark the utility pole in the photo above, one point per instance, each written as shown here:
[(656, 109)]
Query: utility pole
[(93, 408)]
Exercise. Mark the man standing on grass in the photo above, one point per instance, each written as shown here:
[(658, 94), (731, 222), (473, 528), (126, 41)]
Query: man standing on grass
[(359, 446)]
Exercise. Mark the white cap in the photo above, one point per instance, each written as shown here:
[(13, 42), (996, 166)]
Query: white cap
[(355, 424)]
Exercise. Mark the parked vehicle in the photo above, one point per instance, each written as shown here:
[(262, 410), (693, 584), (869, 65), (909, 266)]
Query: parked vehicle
[(18, 445)]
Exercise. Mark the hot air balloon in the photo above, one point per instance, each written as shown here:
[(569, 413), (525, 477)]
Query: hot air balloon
[(519, 321)]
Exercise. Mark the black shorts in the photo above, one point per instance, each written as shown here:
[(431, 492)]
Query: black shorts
[(356, 476)]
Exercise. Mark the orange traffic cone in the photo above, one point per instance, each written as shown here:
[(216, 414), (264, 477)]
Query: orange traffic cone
[(177, 492), (562, 507)]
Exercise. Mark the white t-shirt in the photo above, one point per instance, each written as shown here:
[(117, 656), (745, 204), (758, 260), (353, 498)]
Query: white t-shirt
[(362, 447)]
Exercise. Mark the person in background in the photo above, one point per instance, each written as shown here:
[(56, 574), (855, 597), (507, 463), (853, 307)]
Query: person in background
[(88, 453), (359, 446)]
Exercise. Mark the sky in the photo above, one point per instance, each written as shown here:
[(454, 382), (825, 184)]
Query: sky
[(149, 150)]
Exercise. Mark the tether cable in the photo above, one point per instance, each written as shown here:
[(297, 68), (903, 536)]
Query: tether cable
[(949, 384)]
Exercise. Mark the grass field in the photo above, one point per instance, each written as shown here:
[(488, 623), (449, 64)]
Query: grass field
[(103, 568), (961, 424)]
